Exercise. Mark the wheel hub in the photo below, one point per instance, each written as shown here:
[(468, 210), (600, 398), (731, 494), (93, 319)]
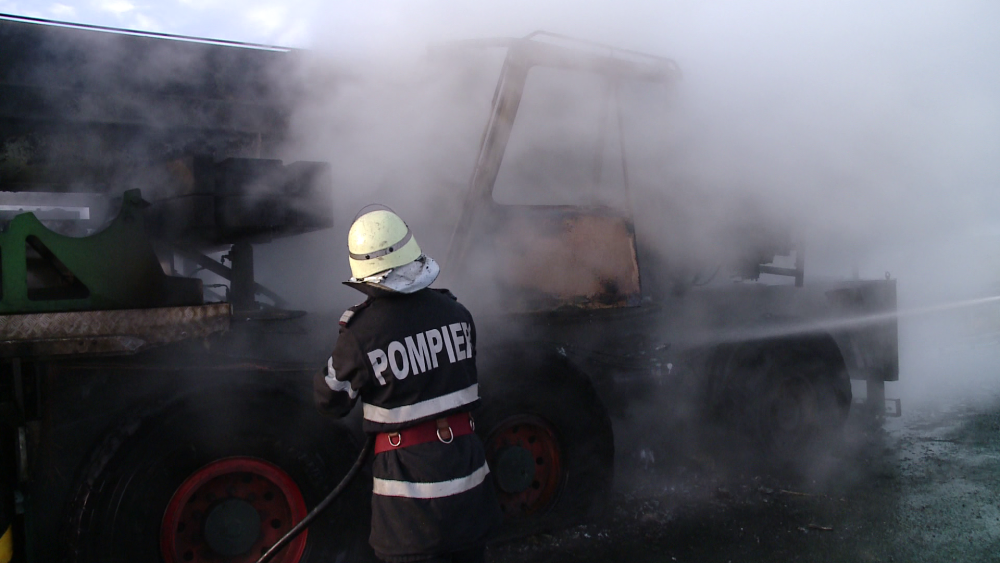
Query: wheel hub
[(232, 527), (792, 408), (787, 413), (232, 510), (525, 455), (515, 469)]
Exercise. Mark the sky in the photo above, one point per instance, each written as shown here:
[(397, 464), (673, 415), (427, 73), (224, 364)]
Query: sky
[(349, 23), (638, 24), (254, 21)]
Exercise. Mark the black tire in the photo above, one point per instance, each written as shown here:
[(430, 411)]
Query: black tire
[(791, 399), (122, 491), (530, 385)]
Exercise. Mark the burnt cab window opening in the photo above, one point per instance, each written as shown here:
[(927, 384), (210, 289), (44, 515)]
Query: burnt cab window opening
[(565, 146)]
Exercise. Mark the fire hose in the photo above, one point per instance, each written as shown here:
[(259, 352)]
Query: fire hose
[(323, 505)]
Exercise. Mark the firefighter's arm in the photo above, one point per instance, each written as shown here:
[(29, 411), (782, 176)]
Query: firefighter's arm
[(337, 385)]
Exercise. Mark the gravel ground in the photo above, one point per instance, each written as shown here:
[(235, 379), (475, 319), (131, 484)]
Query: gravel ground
[(925, 487)]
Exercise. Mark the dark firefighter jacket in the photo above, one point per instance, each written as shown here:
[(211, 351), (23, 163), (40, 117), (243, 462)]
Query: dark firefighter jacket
[(411, 358)]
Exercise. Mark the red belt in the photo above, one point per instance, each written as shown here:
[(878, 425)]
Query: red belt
[(443, 430)]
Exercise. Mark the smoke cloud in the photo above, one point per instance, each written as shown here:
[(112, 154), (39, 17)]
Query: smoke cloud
[(872, 131)]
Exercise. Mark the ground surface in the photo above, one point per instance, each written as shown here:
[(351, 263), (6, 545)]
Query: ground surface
[(924, 488)]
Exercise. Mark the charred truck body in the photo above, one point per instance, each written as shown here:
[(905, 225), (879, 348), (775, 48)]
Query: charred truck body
[(154, 417), (149, 415), (763, 366)]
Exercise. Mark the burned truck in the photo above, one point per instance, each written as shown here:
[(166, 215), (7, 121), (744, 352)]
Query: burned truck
[(156, 398), (568, 197)]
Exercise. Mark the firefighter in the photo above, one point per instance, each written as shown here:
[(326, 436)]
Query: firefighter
[(409, 352)]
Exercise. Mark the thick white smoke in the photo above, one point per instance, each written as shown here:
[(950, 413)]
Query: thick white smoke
[(874, 129)]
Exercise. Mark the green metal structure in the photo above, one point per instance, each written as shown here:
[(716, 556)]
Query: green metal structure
[(44, 271)]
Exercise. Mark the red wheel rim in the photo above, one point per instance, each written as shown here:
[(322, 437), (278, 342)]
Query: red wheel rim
[(214, 514), (526, 463)]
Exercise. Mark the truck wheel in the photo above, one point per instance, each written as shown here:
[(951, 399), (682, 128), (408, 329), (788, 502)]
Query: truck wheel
[(794, 399), (548, 440), (221, 481)]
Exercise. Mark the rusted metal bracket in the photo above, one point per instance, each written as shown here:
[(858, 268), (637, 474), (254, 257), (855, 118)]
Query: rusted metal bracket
[(225, 272)]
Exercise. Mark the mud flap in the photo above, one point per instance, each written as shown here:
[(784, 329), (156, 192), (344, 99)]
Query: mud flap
[(874, 341), (893, 408)]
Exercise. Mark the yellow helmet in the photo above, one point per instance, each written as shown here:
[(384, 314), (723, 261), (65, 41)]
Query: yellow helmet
[(378, 241)]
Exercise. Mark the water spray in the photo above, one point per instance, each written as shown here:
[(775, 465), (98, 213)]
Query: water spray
[(832, 325)]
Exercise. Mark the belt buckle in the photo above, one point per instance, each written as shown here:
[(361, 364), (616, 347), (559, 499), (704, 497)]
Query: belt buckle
[(443, 424), (399, 439), (451, 436)]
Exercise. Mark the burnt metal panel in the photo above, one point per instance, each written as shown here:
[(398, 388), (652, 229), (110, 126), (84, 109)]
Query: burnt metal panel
[(555, 256), (60, 104), (86, 110), (54, 72), (108, 332), (874, 340), (206, 203)]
